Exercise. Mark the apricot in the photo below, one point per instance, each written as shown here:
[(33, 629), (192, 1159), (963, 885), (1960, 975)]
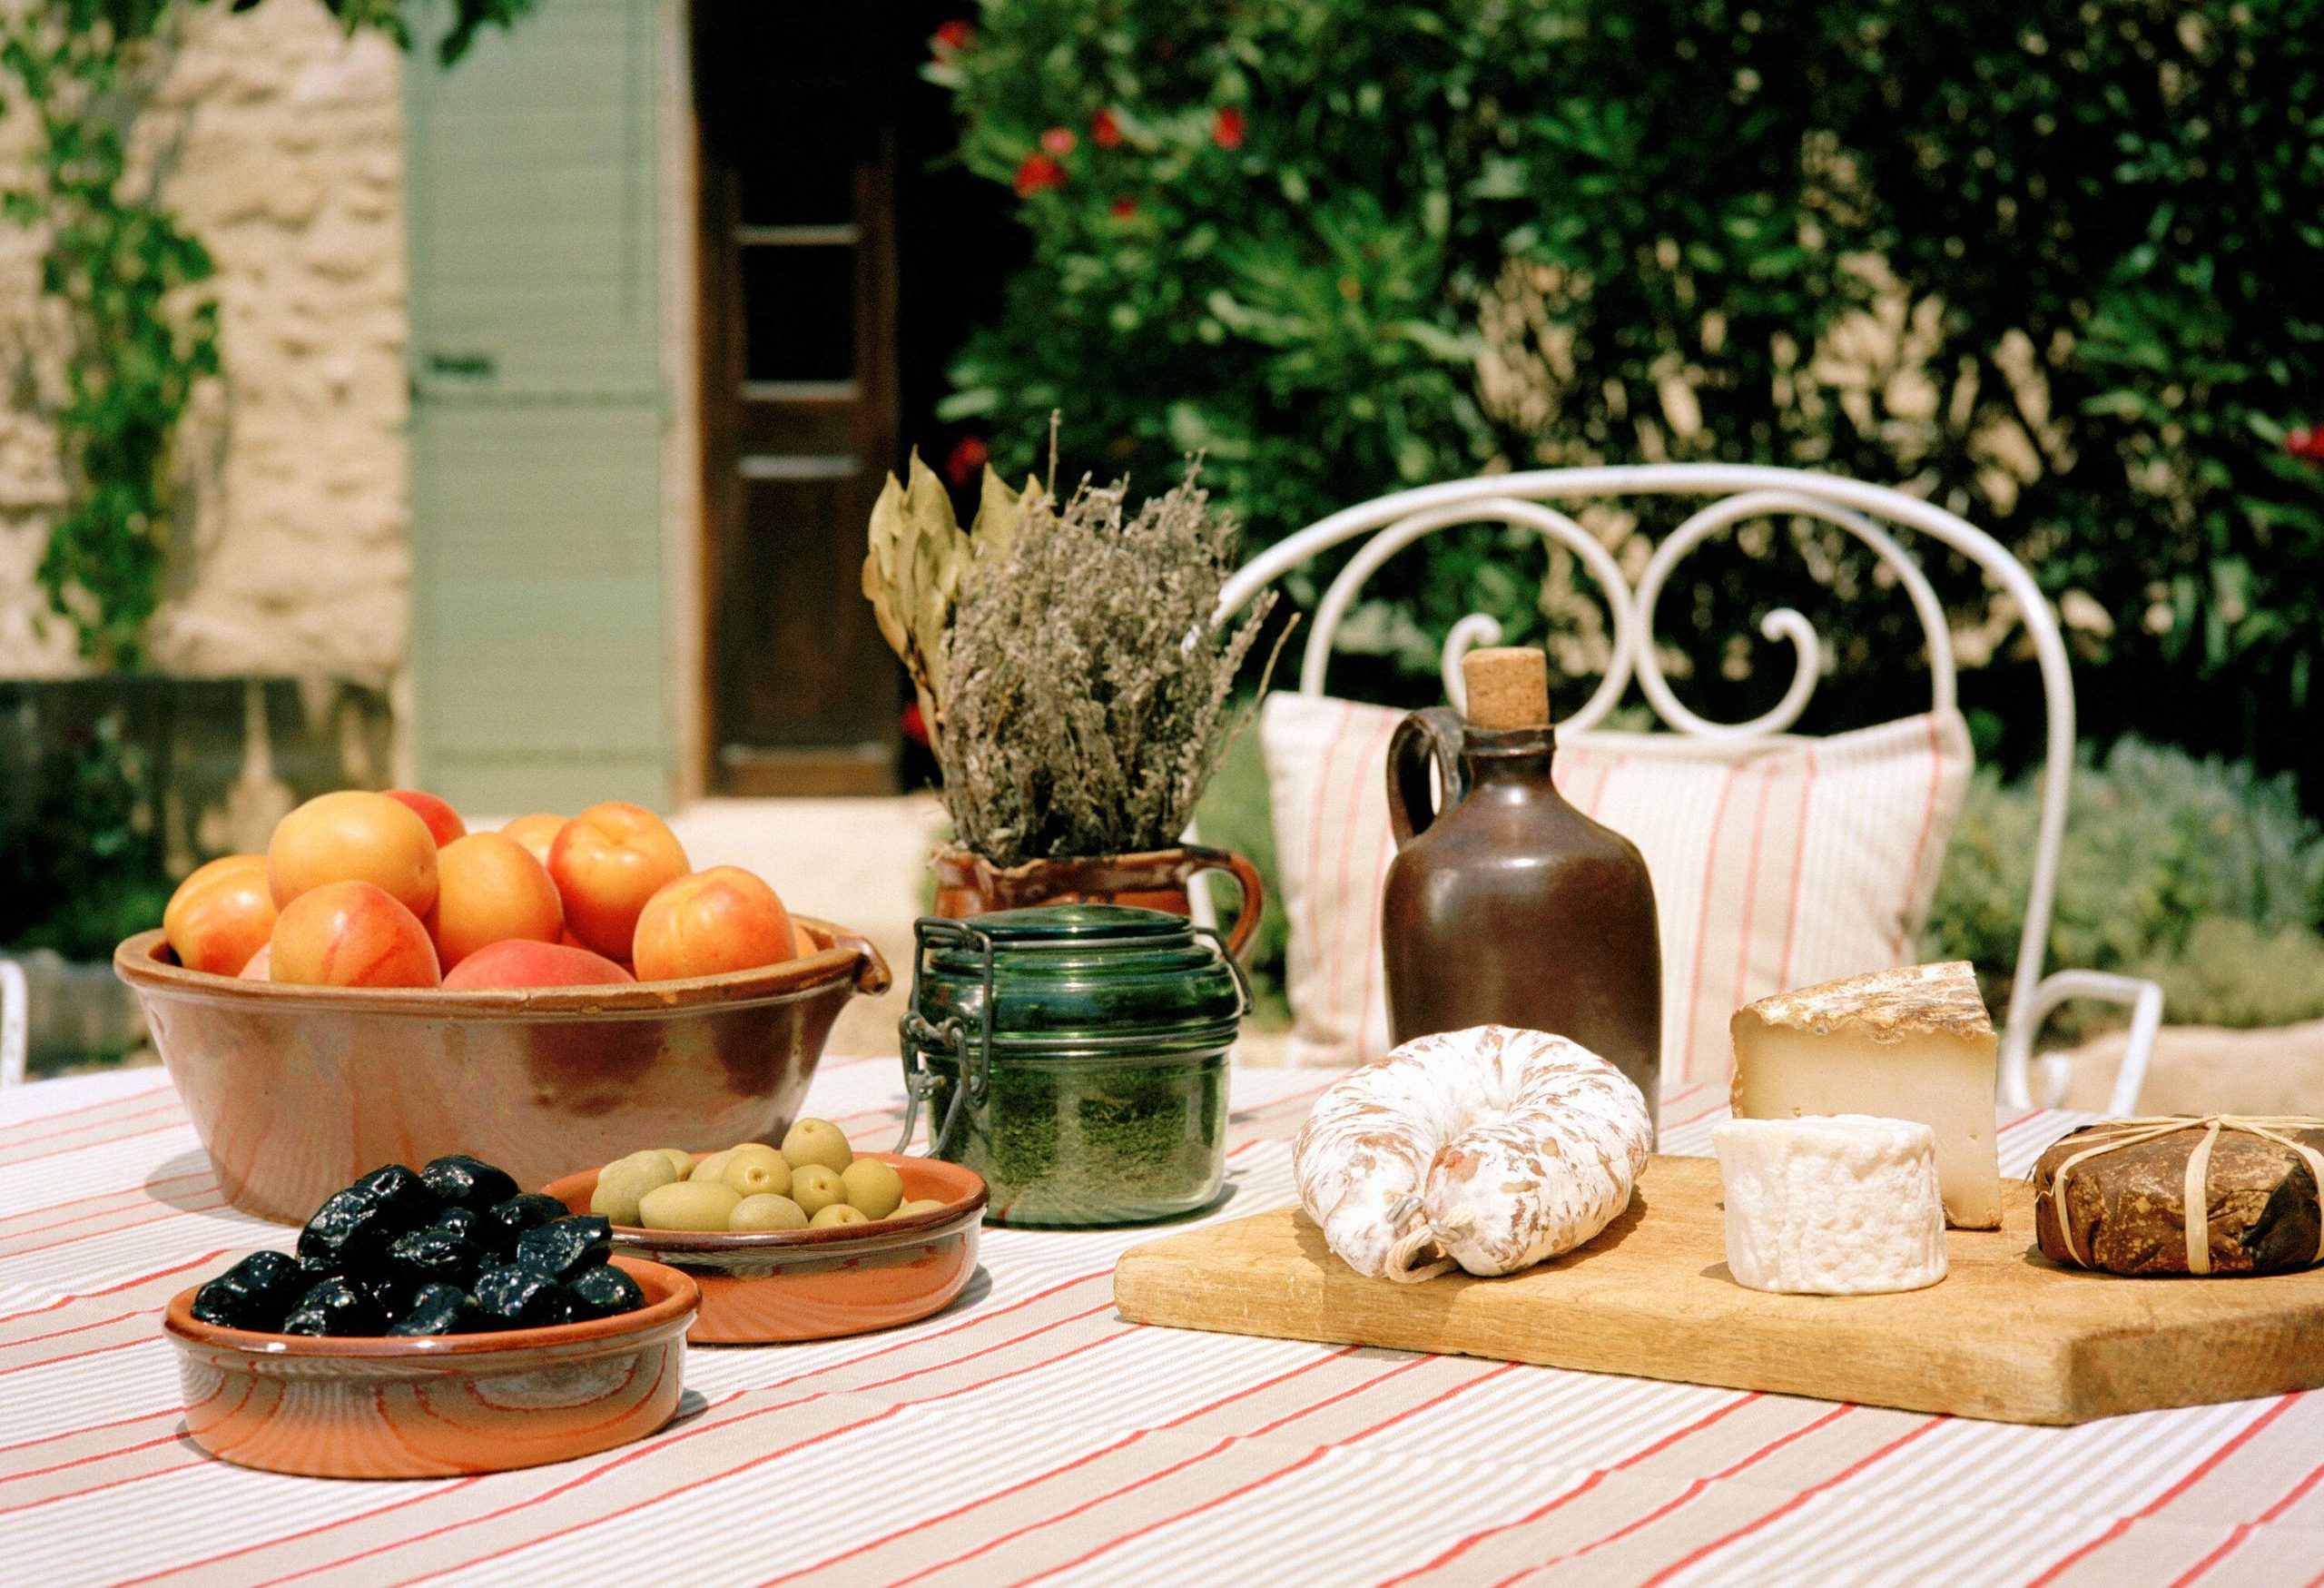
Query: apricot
[(489, 891), (353, 837), (519, 963), (220, 915), (606, 862), (351, 934), (715, 920), (535, 832), (444, 823), (261, 967)]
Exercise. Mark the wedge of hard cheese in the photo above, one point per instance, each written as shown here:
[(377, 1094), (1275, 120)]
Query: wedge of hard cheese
[(1912, 1043)]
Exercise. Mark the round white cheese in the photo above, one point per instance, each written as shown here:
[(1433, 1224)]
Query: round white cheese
[(1831, 1205)]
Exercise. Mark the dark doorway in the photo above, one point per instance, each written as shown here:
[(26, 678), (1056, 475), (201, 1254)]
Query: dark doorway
[(844, 259)]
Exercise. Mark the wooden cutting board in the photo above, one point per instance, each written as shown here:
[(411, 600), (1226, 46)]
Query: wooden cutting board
[(2006, 1335)]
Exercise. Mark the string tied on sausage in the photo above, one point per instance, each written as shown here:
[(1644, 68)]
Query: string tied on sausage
[(2132, 1133)]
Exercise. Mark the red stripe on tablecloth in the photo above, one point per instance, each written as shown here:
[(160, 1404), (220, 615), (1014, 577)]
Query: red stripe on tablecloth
[(95, 1207), (1789, 1506), (1228, 1442), (1920, 842), (757, 1461), (134, 1105), (1262, 1481), (180, 1123), (1799, 870), (2193, 1475), (1702, 923), (168, 1438), (112, 1289), (454, 1487), (1693, 1488), (168, 1411), (1693, 1119), (75, 1329), (162, 1214), (74, 1355), (2244, 1530), (1048, 1473), (1245, 1116), (1588, 1484)]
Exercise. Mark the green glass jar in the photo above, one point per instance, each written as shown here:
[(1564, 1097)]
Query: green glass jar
[(1074, 1056)]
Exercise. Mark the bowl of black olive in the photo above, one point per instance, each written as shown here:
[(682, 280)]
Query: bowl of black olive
[(429, 1323)]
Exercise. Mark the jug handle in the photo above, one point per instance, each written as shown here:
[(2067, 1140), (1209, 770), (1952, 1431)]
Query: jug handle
[(1424, 738)]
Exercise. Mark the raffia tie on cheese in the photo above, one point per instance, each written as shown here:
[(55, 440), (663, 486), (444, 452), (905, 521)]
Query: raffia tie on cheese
[(1492, 1148), (2130, 1132)]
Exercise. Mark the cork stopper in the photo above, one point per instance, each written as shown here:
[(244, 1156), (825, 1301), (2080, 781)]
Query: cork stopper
[(1509, 687)]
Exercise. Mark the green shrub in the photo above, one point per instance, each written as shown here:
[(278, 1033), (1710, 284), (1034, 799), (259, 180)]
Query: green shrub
[(2196, 873), (2057, 265)]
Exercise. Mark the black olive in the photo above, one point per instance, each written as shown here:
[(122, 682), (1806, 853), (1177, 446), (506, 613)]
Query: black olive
[(433, 1256), (604, 1290), (253, 1294), (440, 1309), (461, 1181), (402, 1196), (512, 1297), (347, 1232), (563, 1249), (461, 1221), (386, 1291), (498, 1230), (333, 1307)]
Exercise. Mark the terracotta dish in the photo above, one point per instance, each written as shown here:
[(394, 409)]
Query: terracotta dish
[(296, 1091), (435, 1408), (817, 1284)]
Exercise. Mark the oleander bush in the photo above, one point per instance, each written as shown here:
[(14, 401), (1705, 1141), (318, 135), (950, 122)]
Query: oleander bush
[(2058, 265)]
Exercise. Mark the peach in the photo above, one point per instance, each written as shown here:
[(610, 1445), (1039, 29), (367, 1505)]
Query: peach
[(351, 934), (220, 915), (489, 891), (352, 836), (715, 920), (518, 964), (444, 823), (606, 862), (537, 833), (261, 967)]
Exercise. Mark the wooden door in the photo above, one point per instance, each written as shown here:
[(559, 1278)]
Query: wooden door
[(795, 105)]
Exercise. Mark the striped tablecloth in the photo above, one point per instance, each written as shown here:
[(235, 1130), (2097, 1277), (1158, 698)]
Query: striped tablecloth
[(1029, 1433)]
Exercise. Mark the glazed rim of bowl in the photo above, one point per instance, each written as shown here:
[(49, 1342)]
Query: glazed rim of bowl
[(680, 1298), (870, 1237), (845, 956)]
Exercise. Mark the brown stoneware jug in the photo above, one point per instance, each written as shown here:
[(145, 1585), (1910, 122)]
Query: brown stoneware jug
[(1505, 905)]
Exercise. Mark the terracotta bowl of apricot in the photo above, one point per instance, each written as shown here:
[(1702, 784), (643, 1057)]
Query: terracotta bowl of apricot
[(776, 1285), (360, 1407), (296, 1091)]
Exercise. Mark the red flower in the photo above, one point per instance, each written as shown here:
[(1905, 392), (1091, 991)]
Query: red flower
[(967, 456), (1058, 139), (954, 35), (1037, 173), (915, 725), (2307, 442), (1125, 207), (1105, 130), (1227, 128)]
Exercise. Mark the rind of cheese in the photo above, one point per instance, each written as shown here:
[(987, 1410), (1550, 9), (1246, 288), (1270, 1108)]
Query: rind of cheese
[(1494, 1148), (1911, 1000), (1842, 1204), (1913, 1044)]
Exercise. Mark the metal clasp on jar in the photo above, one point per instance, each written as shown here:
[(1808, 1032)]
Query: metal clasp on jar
[(967, 1042)]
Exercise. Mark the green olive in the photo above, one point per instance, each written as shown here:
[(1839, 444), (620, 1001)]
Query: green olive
[(620, 1185), (837, 1213), (873, 1188), (767, 1212), (681, 1160), (816, 1141), (689, 1205), (711, 1167), (918, 1205), (816, 1187), (754, 1171)]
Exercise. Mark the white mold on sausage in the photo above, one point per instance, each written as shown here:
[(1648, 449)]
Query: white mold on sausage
[(1491, 1148)]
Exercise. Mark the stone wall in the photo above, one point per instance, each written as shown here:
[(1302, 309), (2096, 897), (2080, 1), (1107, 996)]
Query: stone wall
[(280, 143)]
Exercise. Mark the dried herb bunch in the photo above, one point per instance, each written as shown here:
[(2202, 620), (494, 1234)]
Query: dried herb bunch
[(1088, 694)]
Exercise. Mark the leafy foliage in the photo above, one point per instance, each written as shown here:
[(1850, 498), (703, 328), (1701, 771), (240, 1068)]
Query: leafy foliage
[(133, 285), (2058, 266), (82, 867)]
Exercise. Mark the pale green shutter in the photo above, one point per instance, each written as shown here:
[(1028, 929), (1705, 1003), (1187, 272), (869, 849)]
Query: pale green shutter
[(537, 414)]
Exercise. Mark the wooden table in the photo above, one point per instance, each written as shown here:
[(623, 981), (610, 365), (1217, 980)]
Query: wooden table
[(1029, 1435)]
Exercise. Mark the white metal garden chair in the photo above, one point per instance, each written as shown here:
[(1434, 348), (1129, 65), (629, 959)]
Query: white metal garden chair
[(1742, 493)]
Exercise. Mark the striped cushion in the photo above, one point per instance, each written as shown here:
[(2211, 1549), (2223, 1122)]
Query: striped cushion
[(1776, 862)]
